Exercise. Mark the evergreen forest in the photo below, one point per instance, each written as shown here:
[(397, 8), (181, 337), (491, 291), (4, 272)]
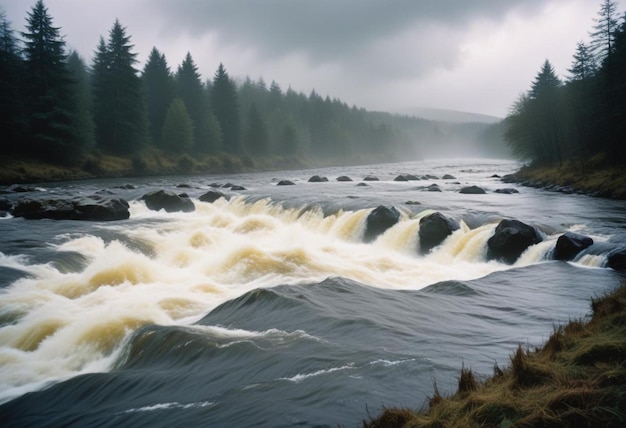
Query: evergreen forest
[(58, 108), (581, 120)]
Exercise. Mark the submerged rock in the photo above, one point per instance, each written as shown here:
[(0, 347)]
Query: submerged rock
[(91, 208), (617, 259), (318, 179), (432, 188), (344, 178), (401, 178), (212, 196), (285, 183), (169, 201), (370, 178), (472, 190), (448, 177), (434, 229), (570, 244), (379, 220), (507, 191), (237, 188), (510, 240)]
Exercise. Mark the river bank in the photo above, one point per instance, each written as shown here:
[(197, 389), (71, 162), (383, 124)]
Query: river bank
[(577, 378), (589, 179)]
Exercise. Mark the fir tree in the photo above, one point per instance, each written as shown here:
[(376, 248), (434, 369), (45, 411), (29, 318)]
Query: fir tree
[(48, 90), (119, 106), (583, 65), (159, 89), (189, 88), (177, 130), (226, 109), (82, 118), (256, 136), (12, 119)]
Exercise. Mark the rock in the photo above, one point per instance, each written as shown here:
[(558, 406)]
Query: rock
[(169, 201), (125, 187), (212, 196), (434, 229), (411, 177), (617, 259), (507, 191), (318, 179), (285, 183), (510, 240), (570, 244), (183, 186), (227, 185), (344, 178), (361, 184), (412, 203), (448, 177), (215, 185), (94, 208), (495, 176), (5, 204), (370, 178), (401, 177), (100, 208), (237, 188), (473, 190), (379, 220), (22, 189), (431, 177), (432, 188)]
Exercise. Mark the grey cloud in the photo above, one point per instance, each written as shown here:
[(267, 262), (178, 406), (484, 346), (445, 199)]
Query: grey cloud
[(323, 30)]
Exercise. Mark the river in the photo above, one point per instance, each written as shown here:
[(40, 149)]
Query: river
[(268, 309)]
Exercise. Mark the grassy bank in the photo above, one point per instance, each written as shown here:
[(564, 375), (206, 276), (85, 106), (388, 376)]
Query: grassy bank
[(578, 378), (592, 178)]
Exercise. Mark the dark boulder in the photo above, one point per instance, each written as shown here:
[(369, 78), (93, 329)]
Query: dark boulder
[(92, 208), (448, 177), (21, 189), (495, 176), (227, 185), (431, 177), (570, 244), (370, 178), (434, 229), (344, 178), (318, 179), (412, 203), (401, 177), (432, 188), (184, 186), (285, 183), (507, 191), (212, 196), (168, 201), (5, 204), (617, 259), (472, 190), (215, 185), (412, 177), (125, 187), (510, 240), (361, 184), (379, 220), (237, 188)]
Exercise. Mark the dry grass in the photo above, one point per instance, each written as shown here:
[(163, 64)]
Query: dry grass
[(577, 379), (595, 178)]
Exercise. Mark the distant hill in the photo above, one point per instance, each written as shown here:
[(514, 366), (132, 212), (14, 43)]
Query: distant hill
[(450, 115)]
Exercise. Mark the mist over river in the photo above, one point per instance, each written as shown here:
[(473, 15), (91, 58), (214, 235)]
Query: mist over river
[(268, 309)]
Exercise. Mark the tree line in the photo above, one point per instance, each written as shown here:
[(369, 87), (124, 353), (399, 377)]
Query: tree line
[(57, 108), (583, 117)]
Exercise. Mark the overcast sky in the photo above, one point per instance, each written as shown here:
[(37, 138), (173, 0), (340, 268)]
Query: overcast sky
[(392, 55)]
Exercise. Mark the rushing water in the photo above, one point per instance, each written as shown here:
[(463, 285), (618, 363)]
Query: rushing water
[(268, 309)]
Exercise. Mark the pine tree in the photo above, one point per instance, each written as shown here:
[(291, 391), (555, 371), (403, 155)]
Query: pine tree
[(583, 65), (82, 117), (603, 34), (159, 87), (189, 88), (12, 119), (256, 136), (226, 109), (177, 130), (48, 91), (119, 106)]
